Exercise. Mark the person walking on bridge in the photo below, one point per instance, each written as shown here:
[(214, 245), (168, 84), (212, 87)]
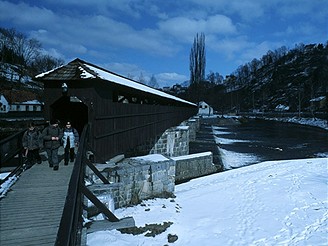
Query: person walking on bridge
[(52, 136), (70, 140), (32, 142)]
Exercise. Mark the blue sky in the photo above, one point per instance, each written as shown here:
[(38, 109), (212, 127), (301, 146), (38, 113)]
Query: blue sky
[(154, 37)]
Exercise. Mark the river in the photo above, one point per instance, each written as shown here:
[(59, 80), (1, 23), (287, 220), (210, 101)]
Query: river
[(259, 140)]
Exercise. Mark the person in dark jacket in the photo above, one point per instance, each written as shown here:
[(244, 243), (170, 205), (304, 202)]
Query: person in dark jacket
[(70, 140), (32, 142), (52, 136)]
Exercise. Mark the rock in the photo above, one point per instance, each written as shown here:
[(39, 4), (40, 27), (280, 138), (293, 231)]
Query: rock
[(172, 238)]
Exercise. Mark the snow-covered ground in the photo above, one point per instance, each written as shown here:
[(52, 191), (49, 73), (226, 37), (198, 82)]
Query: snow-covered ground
[(304, 121), (271, 203)]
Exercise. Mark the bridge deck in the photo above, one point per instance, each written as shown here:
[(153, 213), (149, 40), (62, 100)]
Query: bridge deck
[(30, 213)]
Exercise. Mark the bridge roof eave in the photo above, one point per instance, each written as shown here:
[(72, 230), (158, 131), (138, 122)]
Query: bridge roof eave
[(81, 70)]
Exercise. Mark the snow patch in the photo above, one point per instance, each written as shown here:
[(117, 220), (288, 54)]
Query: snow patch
[(152, 158), (4, 188), (184, 157)]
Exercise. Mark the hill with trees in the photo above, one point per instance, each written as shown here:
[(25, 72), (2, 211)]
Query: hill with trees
[(293, 80)]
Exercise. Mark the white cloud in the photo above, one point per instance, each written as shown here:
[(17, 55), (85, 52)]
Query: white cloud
[(125, 69), (236, 31), (185, 29), (169, 79), (247, 10), (229, 46), (134, 72), (257, 50), (91, 32), (22, 14)]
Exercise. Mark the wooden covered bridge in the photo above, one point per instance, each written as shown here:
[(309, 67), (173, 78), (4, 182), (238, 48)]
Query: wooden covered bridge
[(125, 116), (114, 115)]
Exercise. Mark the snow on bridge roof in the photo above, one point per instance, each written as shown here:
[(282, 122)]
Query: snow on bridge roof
[(78, 69)]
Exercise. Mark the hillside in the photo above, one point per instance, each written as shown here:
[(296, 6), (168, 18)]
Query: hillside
[(282, 80), (17, 90), (295, 80)]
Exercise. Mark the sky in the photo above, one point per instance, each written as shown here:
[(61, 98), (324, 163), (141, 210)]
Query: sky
[(141, 38)]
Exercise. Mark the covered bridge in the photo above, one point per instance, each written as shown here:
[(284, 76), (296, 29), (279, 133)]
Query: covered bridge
[(125, 116)]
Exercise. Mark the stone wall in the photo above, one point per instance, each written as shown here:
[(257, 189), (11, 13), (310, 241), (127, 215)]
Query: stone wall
[(193, 166), (173, 142), (154, 175), (136, 179), (192, 123)]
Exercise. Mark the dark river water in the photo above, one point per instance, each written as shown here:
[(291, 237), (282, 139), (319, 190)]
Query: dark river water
[(259, 140)]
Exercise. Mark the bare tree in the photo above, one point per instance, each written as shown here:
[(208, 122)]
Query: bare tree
[(141, 78), (18, 50), (153, 82), (45, 63), (29, 50)]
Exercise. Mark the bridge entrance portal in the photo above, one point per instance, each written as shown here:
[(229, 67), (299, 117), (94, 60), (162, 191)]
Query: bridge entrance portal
[(70, 108)]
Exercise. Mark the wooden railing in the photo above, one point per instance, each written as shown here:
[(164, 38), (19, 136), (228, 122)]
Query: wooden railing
[(71, 224), (11, 150), (11, 147)]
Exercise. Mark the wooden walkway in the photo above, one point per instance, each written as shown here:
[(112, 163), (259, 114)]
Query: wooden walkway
[(30, 213)]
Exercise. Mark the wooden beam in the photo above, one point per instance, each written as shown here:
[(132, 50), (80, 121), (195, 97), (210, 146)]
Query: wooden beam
[(111, 217), (96, 171)]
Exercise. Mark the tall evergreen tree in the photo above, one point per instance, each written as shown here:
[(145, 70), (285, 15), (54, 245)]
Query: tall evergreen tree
[(198, 60), (197, 69)]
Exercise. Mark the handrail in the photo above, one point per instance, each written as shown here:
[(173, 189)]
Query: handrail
[(70, 228), (9, 148), (71, 221)]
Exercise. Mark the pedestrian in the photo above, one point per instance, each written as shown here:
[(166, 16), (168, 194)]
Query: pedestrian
[(52, 136), (70, 140), (32, 142)]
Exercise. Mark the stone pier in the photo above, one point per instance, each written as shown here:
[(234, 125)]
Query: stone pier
[(155, 175)]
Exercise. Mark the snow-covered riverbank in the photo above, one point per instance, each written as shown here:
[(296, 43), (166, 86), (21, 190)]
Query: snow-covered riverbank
[(304, 121), (269, 203)]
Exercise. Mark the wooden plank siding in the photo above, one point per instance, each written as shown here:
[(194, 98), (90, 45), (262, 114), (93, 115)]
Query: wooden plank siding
[(124, 127)]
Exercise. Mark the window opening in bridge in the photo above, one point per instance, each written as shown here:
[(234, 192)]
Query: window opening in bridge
[(138, 99), (122, 99)]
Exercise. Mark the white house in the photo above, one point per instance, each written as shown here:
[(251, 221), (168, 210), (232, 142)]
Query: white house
[(4, 105), (204, 109), (31, 106)]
